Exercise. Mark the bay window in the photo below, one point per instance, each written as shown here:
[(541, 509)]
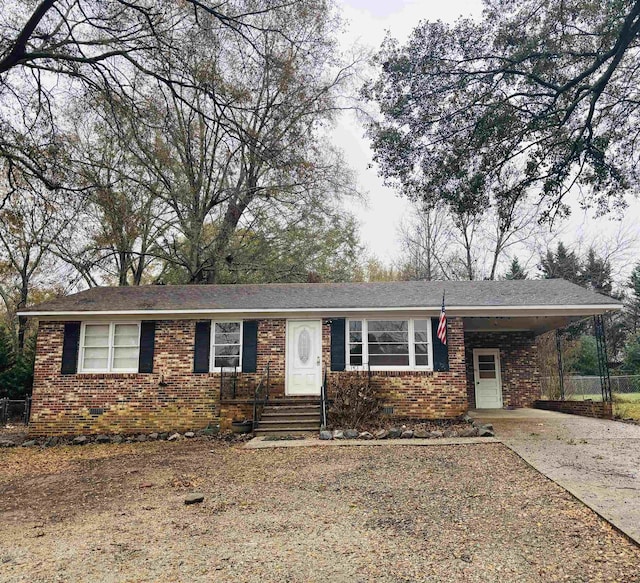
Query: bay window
[(110, 347), (390, 344)]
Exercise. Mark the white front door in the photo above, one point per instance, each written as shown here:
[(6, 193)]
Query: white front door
[(304, 357), (486, 374)]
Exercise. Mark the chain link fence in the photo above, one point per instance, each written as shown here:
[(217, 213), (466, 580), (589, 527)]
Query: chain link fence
[(15, 411), (582, 388)]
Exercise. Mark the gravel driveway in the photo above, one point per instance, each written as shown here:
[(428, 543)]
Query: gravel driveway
[(595, 459), (451, 513)]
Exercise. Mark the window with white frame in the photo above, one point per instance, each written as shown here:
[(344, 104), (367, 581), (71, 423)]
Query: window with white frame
[(390, 344), (110, 347), (226, 345)]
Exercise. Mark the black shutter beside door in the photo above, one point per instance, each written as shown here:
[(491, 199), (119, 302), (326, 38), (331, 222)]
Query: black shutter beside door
[(250, 346), (338, 344)]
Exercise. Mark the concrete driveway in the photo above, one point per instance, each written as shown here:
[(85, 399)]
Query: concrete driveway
[(597, 460)]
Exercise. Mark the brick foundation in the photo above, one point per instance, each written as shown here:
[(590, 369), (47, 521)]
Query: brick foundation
[(585, 408), (518, 364)]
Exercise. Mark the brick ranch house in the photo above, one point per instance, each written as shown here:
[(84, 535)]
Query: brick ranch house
[(160, 358)]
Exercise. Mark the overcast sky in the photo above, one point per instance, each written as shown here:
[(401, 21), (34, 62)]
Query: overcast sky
[(367, 23)]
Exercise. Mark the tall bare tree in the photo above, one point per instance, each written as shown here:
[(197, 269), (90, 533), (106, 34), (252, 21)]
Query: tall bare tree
[(50, 49), (30, 225), (254, 149)]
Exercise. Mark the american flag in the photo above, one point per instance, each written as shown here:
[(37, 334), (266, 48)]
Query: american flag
[(442, 325)]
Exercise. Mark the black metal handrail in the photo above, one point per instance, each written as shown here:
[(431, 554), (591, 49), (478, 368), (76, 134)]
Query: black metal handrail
[(261, 395), (323, 400), (228, 378)]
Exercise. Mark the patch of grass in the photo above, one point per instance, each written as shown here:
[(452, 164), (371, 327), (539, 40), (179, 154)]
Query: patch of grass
[(626, 410), (625, 405)]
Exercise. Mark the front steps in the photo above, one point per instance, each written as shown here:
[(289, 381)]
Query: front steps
[(289, 416)]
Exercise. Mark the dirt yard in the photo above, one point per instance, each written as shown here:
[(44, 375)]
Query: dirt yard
[(450, 513)]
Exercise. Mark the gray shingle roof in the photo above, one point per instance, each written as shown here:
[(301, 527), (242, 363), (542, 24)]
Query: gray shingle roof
[(271, 297)]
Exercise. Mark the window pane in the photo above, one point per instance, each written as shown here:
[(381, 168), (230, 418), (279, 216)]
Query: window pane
[(233, 350), (96, 335), (355, 325), (486, 358), (487, 374), (388, 325), (422, 349), (388, 348), (95, 358), (227, 338), (420, 330), (422, 359), (226, 361), (228, 327), (125, 364), (389, 360), (355, 337), (355, 359), (125, 335), (125, 358), (387, 337)]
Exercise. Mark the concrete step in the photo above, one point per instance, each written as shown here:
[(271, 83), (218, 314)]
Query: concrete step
[(293, 402), (291, 412), (289, 424), (286, 417), (297, 431)]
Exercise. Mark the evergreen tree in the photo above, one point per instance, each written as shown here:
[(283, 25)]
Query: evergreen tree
[(563, 263), (633, 302), (596, 273), (515, 270), (16, 370), (631, 363)]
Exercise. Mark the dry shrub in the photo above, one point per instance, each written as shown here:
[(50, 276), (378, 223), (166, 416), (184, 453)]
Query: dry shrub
[(355, 404)]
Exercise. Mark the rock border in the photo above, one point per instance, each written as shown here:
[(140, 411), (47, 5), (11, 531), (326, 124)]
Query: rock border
[(103, 438), (474, 429)]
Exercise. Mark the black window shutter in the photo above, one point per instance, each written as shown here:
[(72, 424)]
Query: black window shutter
[(202, 347), (147, 345), (70, 347), (440, 351), (338, 344), (250, 346)]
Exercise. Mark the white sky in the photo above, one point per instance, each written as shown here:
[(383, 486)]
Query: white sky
[(367, 23)]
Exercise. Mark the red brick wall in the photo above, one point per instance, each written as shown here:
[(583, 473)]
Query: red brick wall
[(584, 408), (518, 365), (419, 394), (131, 402), (174, 398)]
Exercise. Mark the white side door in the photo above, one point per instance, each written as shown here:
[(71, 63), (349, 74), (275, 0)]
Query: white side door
[(304, 357), (486, 375)]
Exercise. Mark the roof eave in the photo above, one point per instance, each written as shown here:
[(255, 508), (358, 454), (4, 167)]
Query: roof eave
[(505, 311)]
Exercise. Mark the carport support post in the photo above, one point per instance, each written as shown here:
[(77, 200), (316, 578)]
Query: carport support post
[(560, 364), (603, 358)]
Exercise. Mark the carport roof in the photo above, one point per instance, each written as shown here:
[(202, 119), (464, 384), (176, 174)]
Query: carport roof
[(465, 297)]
